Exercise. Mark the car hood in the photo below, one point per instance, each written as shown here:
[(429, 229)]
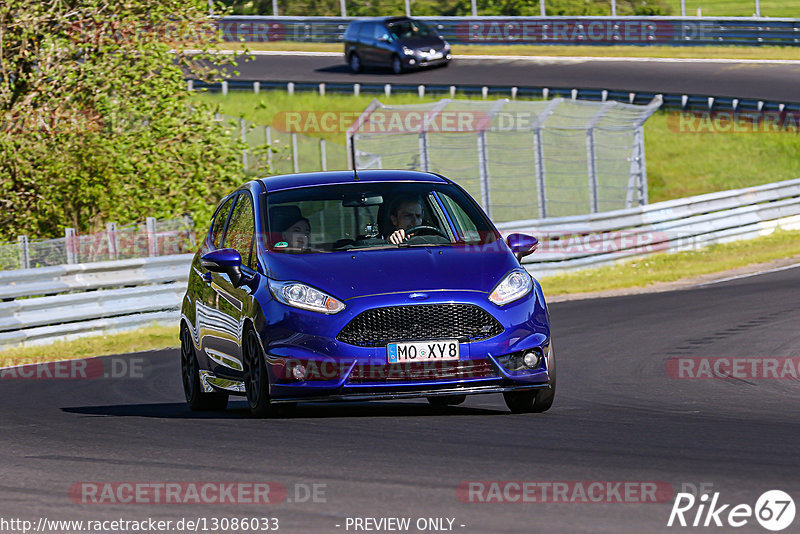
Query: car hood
[(427, 42), (350, 274)]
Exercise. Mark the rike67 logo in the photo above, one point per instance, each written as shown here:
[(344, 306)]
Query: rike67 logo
[(774, 510)]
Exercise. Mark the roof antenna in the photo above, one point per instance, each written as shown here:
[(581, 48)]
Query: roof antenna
[(353, 156)]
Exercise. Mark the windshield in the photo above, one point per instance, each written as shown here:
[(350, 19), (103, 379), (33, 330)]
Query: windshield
[(407, 29), (362, 216)]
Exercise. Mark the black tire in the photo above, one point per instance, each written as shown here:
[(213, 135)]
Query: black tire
[(535, 401), (397, 65), (355, 63), (256, 380), (447, 400), (197, 399)]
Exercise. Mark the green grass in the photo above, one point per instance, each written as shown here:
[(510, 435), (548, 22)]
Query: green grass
[(148, 338), (737, 8), (666, 267), (692, 52)]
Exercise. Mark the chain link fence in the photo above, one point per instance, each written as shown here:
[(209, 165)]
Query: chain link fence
[(522, 160), (150, 238)]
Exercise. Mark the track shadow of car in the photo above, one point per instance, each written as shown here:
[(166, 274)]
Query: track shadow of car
[(345, 69), (239, 410)]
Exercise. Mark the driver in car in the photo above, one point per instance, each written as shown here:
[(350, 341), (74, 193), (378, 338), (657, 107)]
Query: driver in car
[(405, 213)]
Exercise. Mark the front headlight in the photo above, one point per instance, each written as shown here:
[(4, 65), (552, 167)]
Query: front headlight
[(407, 51), (514, 286), (305, 297)]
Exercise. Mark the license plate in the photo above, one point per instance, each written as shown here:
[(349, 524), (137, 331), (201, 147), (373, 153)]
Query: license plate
[(437, 55), (422, 351)]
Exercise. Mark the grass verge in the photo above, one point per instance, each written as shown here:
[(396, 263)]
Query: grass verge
[(148, 338), (688, 52), (666, 267)]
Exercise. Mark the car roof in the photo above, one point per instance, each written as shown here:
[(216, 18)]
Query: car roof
[(308, 179), (380, 19)]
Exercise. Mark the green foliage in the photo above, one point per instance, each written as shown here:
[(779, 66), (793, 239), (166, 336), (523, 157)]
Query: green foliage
[(96, 121)]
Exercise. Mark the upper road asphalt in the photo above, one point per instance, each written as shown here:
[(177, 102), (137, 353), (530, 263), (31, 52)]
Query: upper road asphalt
[(775, 81)]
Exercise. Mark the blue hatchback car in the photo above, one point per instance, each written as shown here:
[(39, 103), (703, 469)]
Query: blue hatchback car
[(337, 286)]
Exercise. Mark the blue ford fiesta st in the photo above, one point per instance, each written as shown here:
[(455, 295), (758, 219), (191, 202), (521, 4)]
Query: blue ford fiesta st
[(336, 286)]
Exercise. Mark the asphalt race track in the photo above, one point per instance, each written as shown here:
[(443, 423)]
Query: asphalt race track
[(618, 416), (767, 81)]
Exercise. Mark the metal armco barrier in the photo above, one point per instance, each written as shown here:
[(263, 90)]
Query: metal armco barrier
[(51, 303), (635, 31), (569, 243)]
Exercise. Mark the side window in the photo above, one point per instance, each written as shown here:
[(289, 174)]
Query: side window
[(380, 31), (241, 229), (219, 223), (366, 32), (352, 31), (466, 228)]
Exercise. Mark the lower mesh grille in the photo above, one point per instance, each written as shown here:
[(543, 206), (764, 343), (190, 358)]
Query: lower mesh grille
[(447, 370), (380, 326)]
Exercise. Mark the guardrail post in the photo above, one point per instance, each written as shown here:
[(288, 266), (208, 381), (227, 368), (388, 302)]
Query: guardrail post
[(290, 88), (514, 91), (322, 89), (113, 241), (421, 91), (71, 245), (224, 87), (356, 89), (452, 91), (24, 252), (387, 90), (190, 85), (295, 161), (256, 87), (323, 155), (485, 92), (152, 245)]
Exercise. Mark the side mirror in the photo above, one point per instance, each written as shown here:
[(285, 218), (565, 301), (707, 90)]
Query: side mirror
[(224, 260), (384, 38), (522, 245)]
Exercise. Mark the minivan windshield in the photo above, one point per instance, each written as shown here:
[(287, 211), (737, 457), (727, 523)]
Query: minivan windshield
[(408, 29), (364, 216)]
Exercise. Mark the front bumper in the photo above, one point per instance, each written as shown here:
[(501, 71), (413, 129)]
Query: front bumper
[(423, 62)]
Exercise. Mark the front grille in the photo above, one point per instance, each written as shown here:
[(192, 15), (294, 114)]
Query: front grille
[(418, 371), (380, 326)]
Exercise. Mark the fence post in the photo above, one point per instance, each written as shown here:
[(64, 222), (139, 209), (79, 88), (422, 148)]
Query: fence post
[(295, 161), (483, 170), (152, 245), (243, 137), (70, 241), (474, 8), (538, 152), (591, 159), (758, 9), (424, 157), (113, 241), (343, 8), (542, 11), (323, 155), (268, 139), (24, 252), (188, 222)]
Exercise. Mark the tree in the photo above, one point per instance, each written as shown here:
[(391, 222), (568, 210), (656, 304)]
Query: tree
[(97, 124)]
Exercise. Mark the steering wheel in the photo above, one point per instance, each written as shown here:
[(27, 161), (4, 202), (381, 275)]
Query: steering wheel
[(425, 230)]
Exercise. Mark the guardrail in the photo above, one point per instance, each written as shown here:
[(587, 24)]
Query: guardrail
[(569, 243), (49, 303), (599, 31), (671, 101)]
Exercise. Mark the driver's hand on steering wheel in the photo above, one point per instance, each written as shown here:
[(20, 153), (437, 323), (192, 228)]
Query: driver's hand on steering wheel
[(397, 237)]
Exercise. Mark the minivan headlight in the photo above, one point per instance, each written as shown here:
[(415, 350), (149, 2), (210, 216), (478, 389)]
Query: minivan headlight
[(407, 51), (514, 286), (305, 297)]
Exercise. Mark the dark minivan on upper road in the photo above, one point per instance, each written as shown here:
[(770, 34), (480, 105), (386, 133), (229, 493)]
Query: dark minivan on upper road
[(397, 42)]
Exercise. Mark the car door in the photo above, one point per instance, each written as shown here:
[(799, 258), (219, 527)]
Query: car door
[(366, 37), (207, 324), (383, 49), (233, 301)]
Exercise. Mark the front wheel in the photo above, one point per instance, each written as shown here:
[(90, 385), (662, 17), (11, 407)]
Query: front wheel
[(536, 401), (256, 380), (197, 399), (355, 63)]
